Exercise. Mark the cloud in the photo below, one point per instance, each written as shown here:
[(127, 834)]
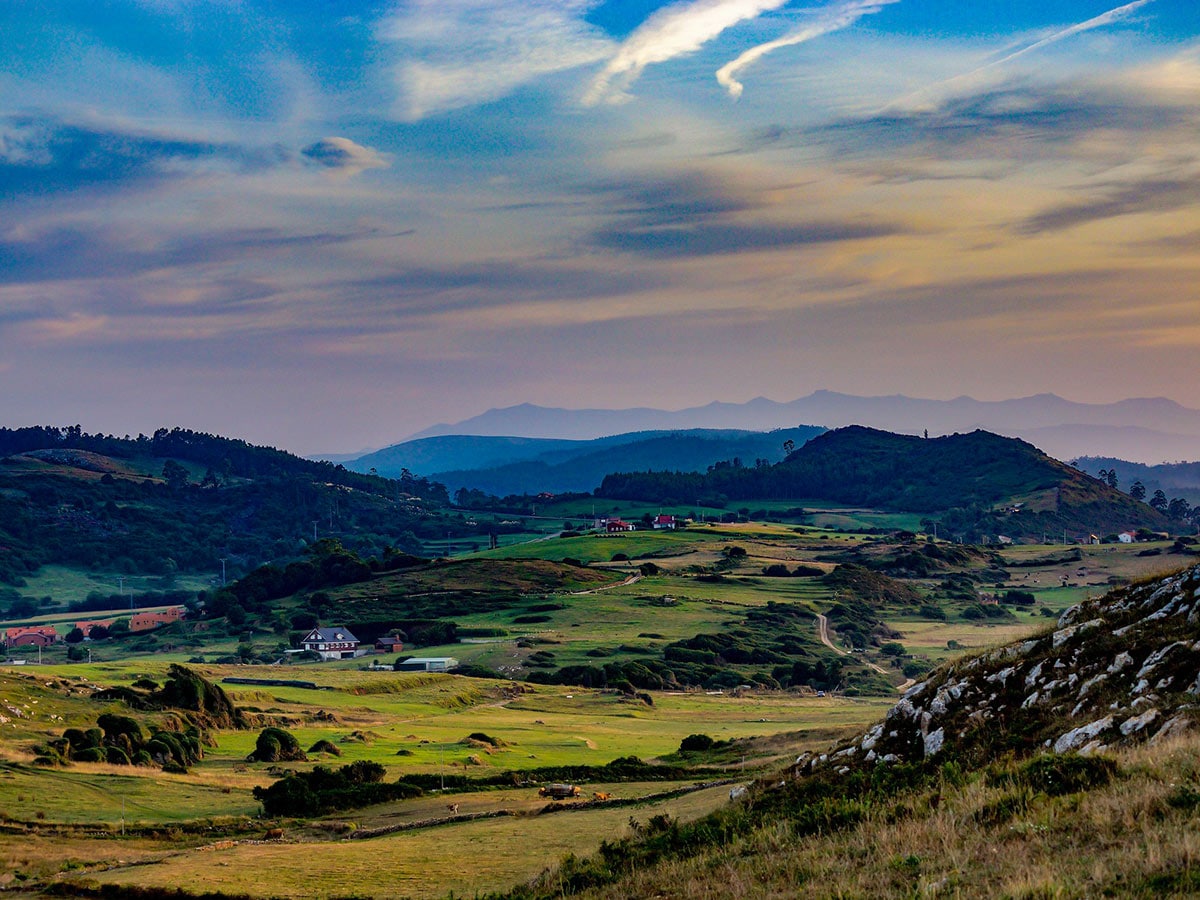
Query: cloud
[(1104, 19), (43, 155), (710, 239), (833, 18), (673, 31), (460, 53), (343, 155), (697, 215), (1150, 195)]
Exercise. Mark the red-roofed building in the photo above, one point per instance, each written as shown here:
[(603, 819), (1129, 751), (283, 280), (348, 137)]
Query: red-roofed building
[(661, 521), (86, 627), (144, 621), (618, 525), (31, 636)]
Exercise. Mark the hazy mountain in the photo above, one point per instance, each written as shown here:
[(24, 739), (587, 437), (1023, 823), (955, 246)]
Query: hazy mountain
[(1173, 479), (509, 465), (1147, 430)]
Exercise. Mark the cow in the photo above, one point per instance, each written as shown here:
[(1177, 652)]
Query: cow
[(453, 807), (601, 795), (273, 834)]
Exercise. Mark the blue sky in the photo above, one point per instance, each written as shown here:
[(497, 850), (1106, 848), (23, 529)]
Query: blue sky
[(327, 225)]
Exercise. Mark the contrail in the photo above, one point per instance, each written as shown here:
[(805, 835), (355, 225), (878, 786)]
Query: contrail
[(1113, 15), (835, 19)]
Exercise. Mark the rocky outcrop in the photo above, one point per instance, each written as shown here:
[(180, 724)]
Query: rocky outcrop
[(1113, 671)]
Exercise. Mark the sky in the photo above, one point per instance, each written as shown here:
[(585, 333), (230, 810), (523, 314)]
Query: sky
[(326, 225)]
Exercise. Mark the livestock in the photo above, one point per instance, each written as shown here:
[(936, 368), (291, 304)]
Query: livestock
[(558, 791), (273, 834), (601, 795), (453, 807)]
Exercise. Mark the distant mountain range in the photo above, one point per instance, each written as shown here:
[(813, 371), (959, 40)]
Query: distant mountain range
[(1146, 430), (503, 465)]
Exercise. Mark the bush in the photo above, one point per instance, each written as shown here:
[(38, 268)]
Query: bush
[(696, 743), (276, 745)]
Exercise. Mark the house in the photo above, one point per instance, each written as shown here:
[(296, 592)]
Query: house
[(389, 644), (332, 643), (427, 664), (144, 621), (614, 526), (86, 627), (1126, 537), (31, 636), (661, 521)]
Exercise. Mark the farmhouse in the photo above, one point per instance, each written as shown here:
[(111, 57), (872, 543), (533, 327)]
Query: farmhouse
[(86, 627), (614, 526), (427, 664), (1126, 537), (332, 643), (31, 636), (144, 621), (661, 522), (389, 644)]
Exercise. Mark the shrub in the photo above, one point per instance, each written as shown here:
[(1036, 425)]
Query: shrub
[(276, 745), (696, 743)]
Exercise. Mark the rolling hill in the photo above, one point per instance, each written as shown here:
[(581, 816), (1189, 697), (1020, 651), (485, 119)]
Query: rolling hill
[(1015, 486)]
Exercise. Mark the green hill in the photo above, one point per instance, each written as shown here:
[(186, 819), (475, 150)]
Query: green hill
[(997, 484), (179, 502)]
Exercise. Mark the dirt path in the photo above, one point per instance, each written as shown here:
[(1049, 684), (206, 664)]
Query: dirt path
[(823, 634), (632, 579)]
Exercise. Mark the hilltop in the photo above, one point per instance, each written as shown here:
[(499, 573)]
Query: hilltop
[(995, 485), (179, 501)]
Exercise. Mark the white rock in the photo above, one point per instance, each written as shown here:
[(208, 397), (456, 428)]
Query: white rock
[(1077, 737), (1137, 723), (1034, 674), (1001, 677), (1091, 683), (1030, 700), (1123, 661), (934, 741)]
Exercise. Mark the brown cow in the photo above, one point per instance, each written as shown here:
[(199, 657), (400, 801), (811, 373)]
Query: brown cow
[(273, 834), (601, 795), (453, 807)]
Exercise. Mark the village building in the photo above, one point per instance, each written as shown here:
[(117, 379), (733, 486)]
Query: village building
[(332, 643), (389, 644), (144, 621), (660, 522), (1126, 537), (31, 636), (427, 664), (86, 627), (616, 526)]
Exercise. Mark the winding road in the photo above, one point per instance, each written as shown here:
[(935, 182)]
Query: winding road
[(823, 634)]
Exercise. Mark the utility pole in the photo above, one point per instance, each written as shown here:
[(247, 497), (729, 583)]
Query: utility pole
[(222, 571)]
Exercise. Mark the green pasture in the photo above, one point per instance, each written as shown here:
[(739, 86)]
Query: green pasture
[(68, 585), (462, 859)]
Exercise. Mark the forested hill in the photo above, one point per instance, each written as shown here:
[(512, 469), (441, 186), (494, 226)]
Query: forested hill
[(225, 457), (180, 501), (867, 467)]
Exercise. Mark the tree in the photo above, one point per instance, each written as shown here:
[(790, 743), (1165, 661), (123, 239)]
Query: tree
[(74, 636), (175, 475), (1179, 508), (1138, 491), (788, 446), (1159, 501)]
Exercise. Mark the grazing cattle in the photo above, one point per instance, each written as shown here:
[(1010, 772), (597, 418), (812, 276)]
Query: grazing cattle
[(453, 807), (601, 795), (274, 834)]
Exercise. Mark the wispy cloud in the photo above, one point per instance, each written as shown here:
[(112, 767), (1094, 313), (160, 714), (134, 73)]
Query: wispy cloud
[(1104, 19), (673, 31), (460, 53), (833, 18), (1150, 195)]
